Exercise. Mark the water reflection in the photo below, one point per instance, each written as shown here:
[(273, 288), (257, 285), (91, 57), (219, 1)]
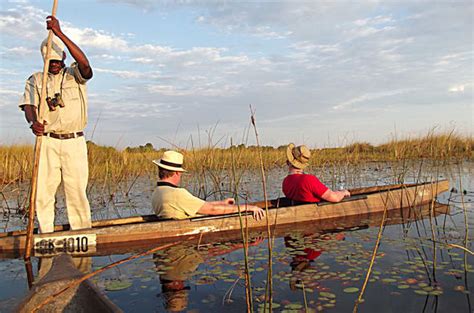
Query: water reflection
[(45, 265), (177, 264), (175, 267), (306, 251), (322, 258)]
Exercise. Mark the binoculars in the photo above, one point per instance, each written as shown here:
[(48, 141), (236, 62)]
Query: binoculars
[(54, 102)]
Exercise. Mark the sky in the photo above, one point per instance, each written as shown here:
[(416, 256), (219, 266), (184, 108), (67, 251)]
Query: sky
[(187, 73)]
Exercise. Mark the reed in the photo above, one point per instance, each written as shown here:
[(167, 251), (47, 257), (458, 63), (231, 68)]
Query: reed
[(269, 284), (109, 163), (113, 172), (16, 161), (245, 241)]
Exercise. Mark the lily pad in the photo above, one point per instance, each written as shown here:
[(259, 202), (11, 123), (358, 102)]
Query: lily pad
[(116, 285), (351, 289), (436, 293), (421, 292), (327, 295), (274, 305), (294, 306)]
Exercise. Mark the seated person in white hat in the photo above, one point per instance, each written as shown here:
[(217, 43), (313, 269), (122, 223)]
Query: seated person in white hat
[(170, 201), (306, 188)]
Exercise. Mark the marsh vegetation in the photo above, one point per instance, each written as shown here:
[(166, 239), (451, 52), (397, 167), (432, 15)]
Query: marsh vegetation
[(423, 262)]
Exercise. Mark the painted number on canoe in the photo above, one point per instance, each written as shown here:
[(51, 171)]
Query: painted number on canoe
[(70, 244)]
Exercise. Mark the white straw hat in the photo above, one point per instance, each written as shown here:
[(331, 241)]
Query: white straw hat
[(57, 49), (172, 161)]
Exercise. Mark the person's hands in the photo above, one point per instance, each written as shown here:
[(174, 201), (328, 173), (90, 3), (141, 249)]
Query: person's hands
[(258, 213), (229, 201), (52, 23), (37, 128), (346, 193)]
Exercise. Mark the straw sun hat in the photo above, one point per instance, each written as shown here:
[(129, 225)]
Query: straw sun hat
[(171, 161), (298, 156)]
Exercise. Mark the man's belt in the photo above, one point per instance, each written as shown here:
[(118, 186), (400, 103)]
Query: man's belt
[(64, 136)]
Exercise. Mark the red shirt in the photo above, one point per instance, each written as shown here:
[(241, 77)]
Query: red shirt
[(303, 187)]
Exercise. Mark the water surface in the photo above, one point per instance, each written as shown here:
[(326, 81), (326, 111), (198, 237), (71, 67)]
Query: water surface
[(319, 266)]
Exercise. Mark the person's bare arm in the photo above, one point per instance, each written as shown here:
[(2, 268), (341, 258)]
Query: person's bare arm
[(217, 207), (52, 23), (31, 116), (225, 201), (335, 196)]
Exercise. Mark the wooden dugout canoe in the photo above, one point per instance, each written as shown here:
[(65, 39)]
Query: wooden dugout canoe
[(333, 225), (128, 231)]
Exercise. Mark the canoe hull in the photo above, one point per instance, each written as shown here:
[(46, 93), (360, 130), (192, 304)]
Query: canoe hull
[(85, 297), (405, 196)]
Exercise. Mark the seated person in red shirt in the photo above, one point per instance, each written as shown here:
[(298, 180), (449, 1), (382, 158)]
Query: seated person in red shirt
[(306, 188)]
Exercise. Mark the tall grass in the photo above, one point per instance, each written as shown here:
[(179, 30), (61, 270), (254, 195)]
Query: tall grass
[(16, 162), (110, 165)]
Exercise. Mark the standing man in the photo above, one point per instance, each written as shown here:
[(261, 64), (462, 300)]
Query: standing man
[(63, 148), (306, 188), (170, 201)]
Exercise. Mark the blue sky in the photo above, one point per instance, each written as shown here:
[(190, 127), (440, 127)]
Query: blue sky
[(322, 73)]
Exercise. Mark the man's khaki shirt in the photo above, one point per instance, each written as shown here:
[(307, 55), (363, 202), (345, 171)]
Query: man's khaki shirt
[(176, 203), (72, 87)]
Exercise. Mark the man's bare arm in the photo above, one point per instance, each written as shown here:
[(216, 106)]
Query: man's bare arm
[(31, 117), (216, 208), (52, 23), (335, 196)]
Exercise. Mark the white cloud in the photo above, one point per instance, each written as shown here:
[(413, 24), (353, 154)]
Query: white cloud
[(143, 60), (205, 89), (291, 117), (128, 74), (21, 50), (23, 21), (279, 83), (97, 39), (460, 88), (9, 92), (351, 63), (369, 97)]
